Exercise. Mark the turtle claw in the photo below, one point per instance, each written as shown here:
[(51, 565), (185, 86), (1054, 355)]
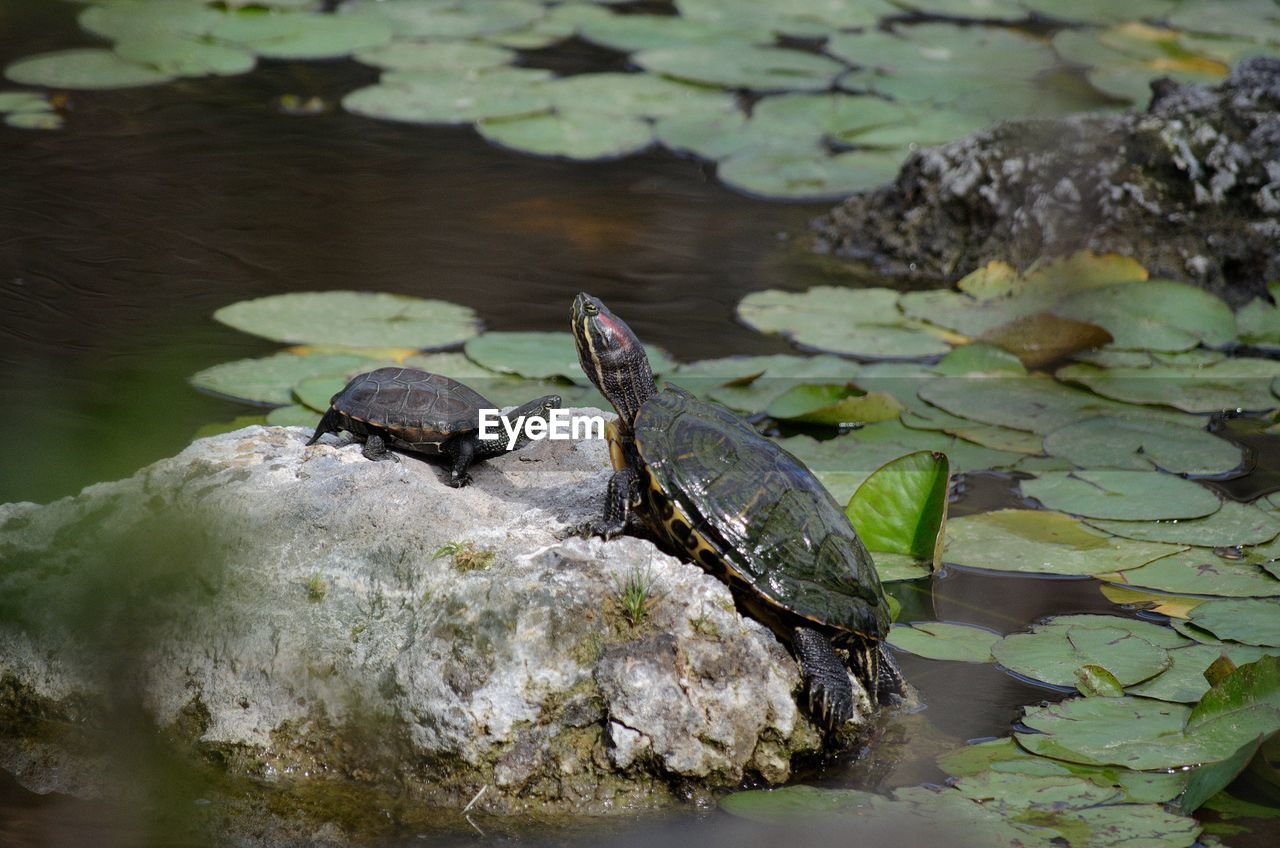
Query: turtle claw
[(459, 482)]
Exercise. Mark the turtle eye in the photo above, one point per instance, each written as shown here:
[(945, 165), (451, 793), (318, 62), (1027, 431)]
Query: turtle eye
[(590, 309)]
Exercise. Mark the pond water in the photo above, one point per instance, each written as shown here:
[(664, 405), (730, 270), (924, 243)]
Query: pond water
[(120, 237)]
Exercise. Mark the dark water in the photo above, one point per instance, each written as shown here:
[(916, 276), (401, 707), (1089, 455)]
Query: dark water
[(122, 233)]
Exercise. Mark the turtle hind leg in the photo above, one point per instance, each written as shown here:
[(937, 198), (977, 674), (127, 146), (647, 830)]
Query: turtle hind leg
[(891, 686), (617, 505), (463, 455), (375, 448), (328, 424), (825, 678)]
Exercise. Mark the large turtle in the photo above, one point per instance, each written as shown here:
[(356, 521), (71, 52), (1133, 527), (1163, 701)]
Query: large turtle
[(425, 413), (712, 489)]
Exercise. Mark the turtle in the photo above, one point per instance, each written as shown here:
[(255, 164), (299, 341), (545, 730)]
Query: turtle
[(710, 488), (424, 413)]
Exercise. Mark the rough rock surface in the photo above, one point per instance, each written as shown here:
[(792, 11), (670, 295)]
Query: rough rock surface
[(288, 610), (1190, 188)]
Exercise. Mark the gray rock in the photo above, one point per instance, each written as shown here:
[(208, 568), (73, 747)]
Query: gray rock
[(1189, 188), (301, 611)]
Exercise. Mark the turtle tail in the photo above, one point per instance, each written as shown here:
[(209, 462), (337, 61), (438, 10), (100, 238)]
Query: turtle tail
[(328, 424)]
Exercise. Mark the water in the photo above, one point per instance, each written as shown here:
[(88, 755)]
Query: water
[(121, 234)]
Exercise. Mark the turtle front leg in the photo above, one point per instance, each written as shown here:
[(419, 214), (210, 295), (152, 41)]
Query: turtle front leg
[(375, 448), (617, 505), (463, 455), (825, 678)]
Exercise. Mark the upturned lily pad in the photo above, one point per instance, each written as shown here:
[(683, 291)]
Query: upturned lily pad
[(446, 19), (1140, 444), (1121, 495), (940, 640), (1212, 778), (834, 405), (736, 66), (570, 134), (860, 322), (1054, 653), (902, 506), (355, 319), (1201, 572), (450, 56), (1249, 621), (1234, 524), (83, 67), (1095, 681), (270, 379), (1228, 385), (1039, 542)]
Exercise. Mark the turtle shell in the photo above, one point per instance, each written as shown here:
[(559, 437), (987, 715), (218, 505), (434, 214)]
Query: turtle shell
[(418, 410), (709, 480)]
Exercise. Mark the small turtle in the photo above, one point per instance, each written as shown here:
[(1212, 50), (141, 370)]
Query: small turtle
[(712, 489), (424, 413)]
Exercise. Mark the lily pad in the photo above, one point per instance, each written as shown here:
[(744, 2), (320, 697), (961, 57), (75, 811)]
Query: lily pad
[(1212, 778), (1258, 321), (570, 134), (270, 379), (811, 18), (1249, 621), (1234, 524), (23, 101), (839, 117), (1177, 607), (83, 67), (1141, 445), (146, 20), (751, 383), (843, 406), (424, 97), (42, 120), (736, 66), (1156, 315), (293, 415), (1200, 572), (537, 355), (806, 173), (449, 56), (635, 96), (630, 33), (1040, 339), (185, 57), (1123, 60), (1122, 495), (978, 9), (1095, 681), (860, 322), (979, 358), (940, 640), (1054, 653), (1039, 542), (902, 506), (1101, 11), (301, 35), (1227, 385), (895, 568), (1184, 680), (446, 19), (355, 319)]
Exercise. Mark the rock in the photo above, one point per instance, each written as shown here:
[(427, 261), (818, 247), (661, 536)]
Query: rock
[(301, 612), (1190, 188)]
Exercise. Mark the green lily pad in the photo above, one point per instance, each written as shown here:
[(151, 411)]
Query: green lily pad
[(806, 173), (446, 19), (902, 506), (185, 57), (1095, 681), (1227, 385), (1258, 321), (541, 355), (813, 18), (427, 97), (1212, 778), (447, 56), (943, 51), (576, 134), (1053, 654), (1156, 315), (270, 379), (1141, 445), (1250, 621), (144, 20), (978, 9), (833, 405), (860, 322), (1050, 792), (1253, 19), (1122, 495), (1200, 572), (1234, 524), (43, 120), (293, 415), (1148, 631), (1184, 680), (1123, 60), (978, 358), (635, 96), (895, 568), (1101, 11), (1039, 542), (559, 23), (839, 117), (355, 319), (711, 136), (987, 435), (315, 393), (24, 101), (939, 640), (738, 66), (83, 67), (630, 33), (301, 35), (751, 383)]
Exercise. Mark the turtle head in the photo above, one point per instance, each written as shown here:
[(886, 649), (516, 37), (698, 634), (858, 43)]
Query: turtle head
[(611, 356)]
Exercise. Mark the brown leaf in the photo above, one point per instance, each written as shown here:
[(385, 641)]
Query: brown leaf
[(1040, 339)]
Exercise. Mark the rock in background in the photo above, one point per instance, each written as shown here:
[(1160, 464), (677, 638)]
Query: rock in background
[(288, 614), (1190, 188)]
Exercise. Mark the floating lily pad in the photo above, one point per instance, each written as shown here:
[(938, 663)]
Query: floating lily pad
[(571, 134), (902, 506), (1234, 524), (535, 355), (1121, 495), (301, 35), (134, 20), (1125, 59), (1095, 681), (270, 379), (978, 358), (861, 322), (1227, 385), (1039, 542), (1148, 631), (40, 120), (293, 415), (751, 383), (1253, 19), (808, 173), (635, 96), (450, 56), (1040, 339), (978, 9), (1101, 11), (1054, 653), (1140, 444), (711, 136), (1177, 607), (446, 19), (1156, 315), (1249, 621), (816, 18), (185, 57), (1184, 680), (1258, 321), (315, 392), (939, 640), (23, 101), (894, 568), (355, 319), (1200, 572), (833, 405), (424, 97), (736, 66), (83, 67), (839, 117), (630, 33), (1049, 792)]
